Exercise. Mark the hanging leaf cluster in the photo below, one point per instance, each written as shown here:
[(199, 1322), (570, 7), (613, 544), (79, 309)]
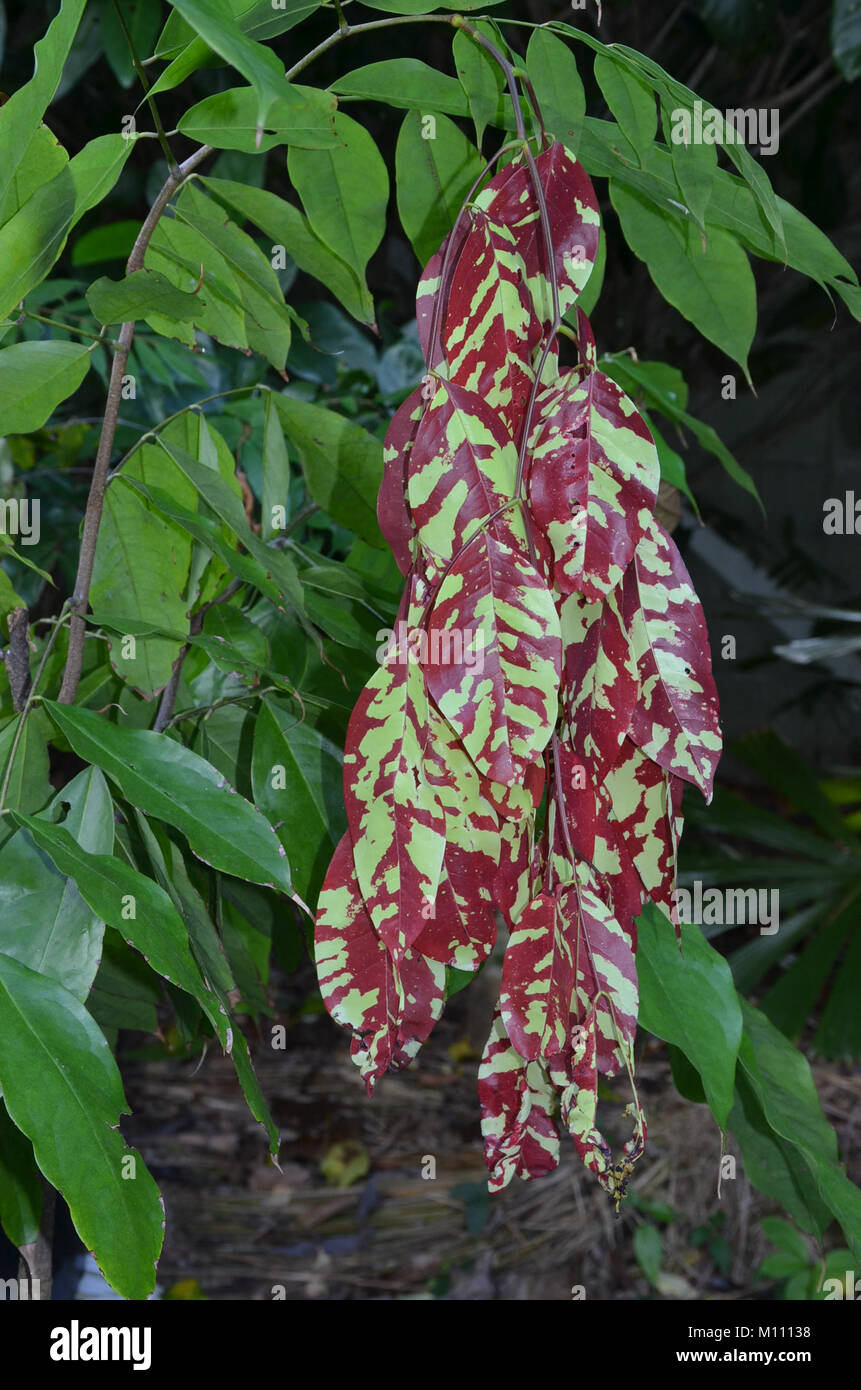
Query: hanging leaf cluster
[(520, 752)]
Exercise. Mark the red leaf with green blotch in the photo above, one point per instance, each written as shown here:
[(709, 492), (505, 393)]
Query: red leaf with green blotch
[(640, 792), (576, 1079), (393, 513), (389, 1010), (491, 329), (520, 799), (605, 969), (586, 344), (535, 996), (431, 287), (502, 703), (600, 682), (460, 929), (395, 816), (518, 874), (676, 720), (592, 480), (461, 471), (572, 210), (517, 1105)]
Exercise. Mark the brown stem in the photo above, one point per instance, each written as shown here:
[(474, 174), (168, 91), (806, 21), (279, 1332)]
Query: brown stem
[(36, 1263), (168, 698), (95, 502)]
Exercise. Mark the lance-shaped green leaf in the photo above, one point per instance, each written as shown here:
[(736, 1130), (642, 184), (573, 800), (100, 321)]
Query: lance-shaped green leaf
[(461, 474), (20, 1184), (296, 774), (287, 227), (136, 296), (481, 76), (213, 21), (389, 1007), (342, 462), (396, 820), (344, 191), (31, 241), (132, 904), (552, 69), (23, 111), (501, 696), (302, 116), (170, 782), (433, 178), (712, 286), (688, 998), (34, 379), (396, 81), (517, 1107), (44, 921), (63, 1090), (594, 475), (675, 721), (631, 100)]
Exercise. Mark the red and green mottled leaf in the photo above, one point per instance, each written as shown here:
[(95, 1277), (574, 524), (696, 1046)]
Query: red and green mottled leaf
[(393, 513), (593, 480), (676, 719), (640, 793), (502, 705), (600, 683), (517, 1105)]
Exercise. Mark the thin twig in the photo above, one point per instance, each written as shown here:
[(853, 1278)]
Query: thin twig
[(31, 694), (95, 501), (144, 81)]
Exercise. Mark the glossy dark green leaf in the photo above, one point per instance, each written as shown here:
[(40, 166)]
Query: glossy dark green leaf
[(343, 464), (20, 1184), (433, 178), (63, 1090), (35, 378), (137, 295), (304, 116), (168, 781), (297, 777), (44, 921), (688, 998), (345, 192)]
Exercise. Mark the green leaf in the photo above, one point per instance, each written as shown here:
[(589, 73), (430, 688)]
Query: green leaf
[(44, 159), (137, 295), (787, 1239), (695, 166), (276, 469), (345, 192), (427, 6), (44, 922), (713, 288), (288, 228), (31, 241), (35, 377), (113, 242), (142, 19), (631, 100), (29, 786), (649, 1251), (142, 566), (214, 23), (839, 1033), (480, 75), (297, 777), (343, 464), (228, 120), (552, 69), (267, 320), (846, 37), (20, 1184), (63, 1090), (772, 1164), (21, 115), (433, 178), (258, 21), (783, 769), (688, 998), (168, 781), (397, 81)]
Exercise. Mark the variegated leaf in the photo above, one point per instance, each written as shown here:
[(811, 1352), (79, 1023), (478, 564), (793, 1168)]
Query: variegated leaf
[(461, 473), (535, 996), (640, 793), (593, 480), (393, 511), (676, 719), (502, 706), (600, 683), (517, 1105), (395, 816)]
